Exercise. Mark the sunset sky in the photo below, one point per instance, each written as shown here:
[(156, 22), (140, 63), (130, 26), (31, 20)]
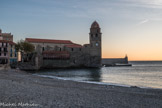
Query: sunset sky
[(132, 27)]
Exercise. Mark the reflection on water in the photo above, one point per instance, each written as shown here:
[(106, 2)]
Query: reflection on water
[(95, 75), (142, 74)]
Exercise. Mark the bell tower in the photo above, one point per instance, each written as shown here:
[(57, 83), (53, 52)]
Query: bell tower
[(95, 42)]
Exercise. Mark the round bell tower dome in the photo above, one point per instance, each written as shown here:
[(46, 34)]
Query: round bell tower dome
[(95, 25)]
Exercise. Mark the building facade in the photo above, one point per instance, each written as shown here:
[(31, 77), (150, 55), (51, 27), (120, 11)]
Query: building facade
[(6, 36), (65, 53), (7, 52)]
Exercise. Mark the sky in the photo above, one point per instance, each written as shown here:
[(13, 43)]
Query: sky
[(132, 27)]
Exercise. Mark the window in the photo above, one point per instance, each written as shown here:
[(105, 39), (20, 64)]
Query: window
[(0, 54), (5, 50), (91, 35), (11, 55), (72, 49), (43, 48), (6, 44), (60, 49), (4, 54), (11, 46), (0, 49), (2, 44), (15, 55), (96, 35)]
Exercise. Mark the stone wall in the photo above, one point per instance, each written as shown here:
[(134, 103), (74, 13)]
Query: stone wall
[(79, 57), (50, 46), (76, 60), (56, 63)]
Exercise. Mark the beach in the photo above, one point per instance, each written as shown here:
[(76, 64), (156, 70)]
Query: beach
[(20, 89)]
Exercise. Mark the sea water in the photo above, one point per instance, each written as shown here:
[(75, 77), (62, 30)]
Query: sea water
[(142, 74)]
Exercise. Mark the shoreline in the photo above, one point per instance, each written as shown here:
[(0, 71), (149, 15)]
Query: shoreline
[(22, 87), (98, 83)]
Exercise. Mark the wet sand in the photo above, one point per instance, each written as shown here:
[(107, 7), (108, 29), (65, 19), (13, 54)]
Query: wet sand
[(24, 90)]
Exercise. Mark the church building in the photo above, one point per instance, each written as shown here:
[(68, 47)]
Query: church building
[(64, 53)]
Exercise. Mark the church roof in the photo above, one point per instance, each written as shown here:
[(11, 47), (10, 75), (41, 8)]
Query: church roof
[(74, 46), (48, 41), (95, 25)]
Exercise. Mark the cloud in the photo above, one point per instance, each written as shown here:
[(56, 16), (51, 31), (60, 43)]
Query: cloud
[(145, 3), (143, 21)]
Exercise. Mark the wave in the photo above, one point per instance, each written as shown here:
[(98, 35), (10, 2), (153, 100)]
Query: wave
[(93, 82)]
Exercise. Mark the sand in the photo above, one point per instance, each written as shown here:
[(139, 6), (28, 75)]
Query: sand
[(20, 89)]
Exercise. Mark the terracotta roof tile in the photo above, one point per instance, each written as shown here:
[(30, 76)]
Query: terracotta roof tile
[(74, 46), (10, 42), (48, 41)]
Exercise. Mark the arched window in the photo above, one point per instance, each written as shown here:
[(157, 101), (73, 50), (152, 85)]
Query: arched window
[(72, 49), (96, 35), (91, 35)]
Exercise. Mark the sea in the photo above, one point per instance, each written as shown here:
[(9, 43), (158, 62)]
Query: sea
[(144, 74)]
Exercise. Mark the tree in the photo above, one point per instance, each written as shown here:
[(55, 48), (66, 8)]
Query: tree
[(25, 47)]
